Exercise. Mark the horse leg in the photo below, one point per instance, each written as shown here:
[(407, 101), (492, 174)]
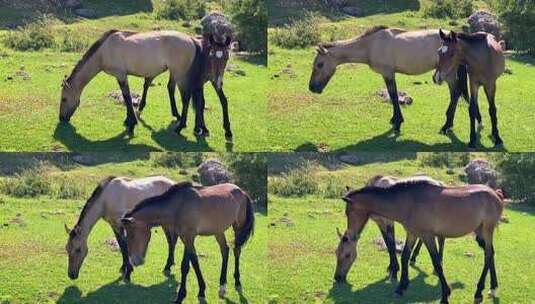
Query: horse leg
[(416, 251), (397, 117), (237, 282), (455, 94), (190, 247), (472, 109), (203, 108), (171, 86), (224, 255), (199, 112), (224, 105), (146, 86), (126, 269), (388, 234), (405, 255), (490, 91), (184, 274), (441, 241), (185, 94), (435, 258), (171, 241), (131, 120), (484, 239)]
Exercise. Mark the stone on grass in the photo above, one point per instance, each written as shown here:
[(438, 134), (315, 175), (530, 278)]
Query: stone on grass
[(479, 171), (212, 172)]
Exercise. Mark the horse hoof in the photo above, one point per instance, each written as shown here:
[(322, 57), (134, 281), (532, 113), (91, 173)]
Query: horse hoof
[(398, 294), (222, 290), (493, 293), (238, 287), (167, 272), (478, 300), (202, 299), (228, 139)]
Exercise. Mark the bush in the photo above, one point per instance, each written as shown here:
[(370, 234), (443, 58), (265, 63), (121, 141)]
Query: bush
[(33, 36), (168, 160), (299, 34), (518, 18), (249, 171), (73, 43), (447, 8), (250, 20), (444, 159), (31, 182), (180, 9), (516, 175), (66, 188), (332, 187), (297, 182)]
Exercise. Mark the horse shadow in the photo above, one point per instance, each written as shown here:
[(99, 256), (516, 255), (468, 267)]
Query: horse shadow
[(66, 134), (389, 141), (169, 140), (119, 292), (241, 300), (382, 291)]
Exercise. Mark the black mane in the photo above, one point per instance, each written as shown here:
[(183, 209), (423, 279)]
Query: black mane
[(475, 38), (160, 198), (96, 193), (399, 186)]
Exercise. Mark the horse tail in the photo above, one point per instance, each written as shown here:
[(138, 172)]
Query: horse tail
[(462, 82), (195, 73), (247, 229)]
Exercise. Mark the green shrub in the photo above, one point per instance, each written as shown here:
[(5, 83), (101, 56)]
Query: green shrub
[(297, 182), (30, 182), (180, 9), (447, 8), (249, 171), (73, 43), (332, 187), (444, 159), (168, 160), (249, 18), (299, 34), (518, 18), (66, 188), (33, 36), (516, 175)]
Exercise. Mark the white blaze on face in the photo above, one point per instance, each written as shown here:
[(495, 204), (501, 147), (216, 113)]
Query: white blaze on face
[(443, 49), (219, 54)]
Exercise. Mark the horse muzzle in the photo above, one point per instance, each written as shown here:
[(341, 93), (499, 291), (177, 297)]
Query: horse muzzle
[(315, 88), (73, 275), (437, 79), (136, 260), (340, 279)]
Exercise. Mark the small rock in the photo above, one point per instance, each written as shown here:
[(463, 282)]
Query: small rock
[(235, 70), (118, 97), (504, 219), (212, 172), (483, 21), (85, 12), (403, 97), (469, 254), (114, 246), (186, 24), (479, 171)]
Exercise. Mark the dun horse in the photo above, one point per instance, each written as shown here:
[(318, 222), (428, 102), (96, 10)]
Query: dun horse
[(147, 55), (348, 240), (427, 211), (485, 60), (187, 211), (109, 201), (387, 52)]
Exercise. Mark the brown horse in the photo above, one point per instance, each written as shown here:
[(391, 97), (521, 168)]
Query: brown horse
[(484, 57), (348, 242), (187, 211), (427, 211), (388, 51), (109, 201), (147, 55)]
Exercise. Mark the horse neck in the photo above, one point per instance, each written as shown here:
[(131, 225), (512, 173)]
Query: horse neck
[(87, 72), (350, 51), (467, 54), (91, 216), (386, 207), (154, 215)]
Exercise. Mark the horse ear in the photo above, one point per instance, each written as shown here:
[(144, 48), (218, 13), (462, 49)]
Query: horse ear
[(77, 229), (346, 199), (338, 233), (67, 229), (453, 36), (127, 220), (66, 84), (321, 50), (348, 188), (442, 35), (228, 41)]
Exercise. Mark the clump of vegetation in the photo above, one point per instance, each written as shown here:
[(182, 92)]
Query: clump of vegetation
[(180, 9), (516, 175), (518, 18), (249, 170), (33, 36), (30, 182), (297, 182), (250, 20), (447, 8), (65, 188), (73, 43), (177, 160), (332, 187), (444, 159), (299, 34)]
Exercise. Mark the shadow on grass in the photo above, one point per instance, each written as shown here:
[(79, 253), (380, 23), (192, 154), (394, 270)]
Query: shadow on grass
[(119, 292), (382, 291), (388, 141), (169, 140), (522, 207)]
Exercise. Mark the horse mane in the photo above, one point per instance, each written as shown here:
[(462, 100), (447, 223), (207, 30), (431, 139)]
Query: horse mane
[(397, 187), (92, 50), (474, 38), (374, 179), (151, 201), (366, 33), (94, 196)]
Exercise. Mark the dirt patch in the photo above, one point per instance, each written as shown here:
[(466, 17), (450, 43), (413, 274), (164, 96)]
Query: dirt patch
[(381, 246), (283, 221), (112, 244), (287, 101), (21, 106)]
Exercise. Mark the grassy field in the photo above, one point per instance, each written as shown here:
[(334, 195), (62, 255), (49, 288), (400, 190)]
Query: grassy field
[(302, 241), (350, 116), (29, 108), (34, 261)]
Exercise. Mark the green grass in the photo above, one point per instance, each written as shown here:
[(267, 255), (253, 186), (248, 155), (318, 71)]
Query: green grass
[(34, 261), (29, 108), (349, 116), (302, 241)]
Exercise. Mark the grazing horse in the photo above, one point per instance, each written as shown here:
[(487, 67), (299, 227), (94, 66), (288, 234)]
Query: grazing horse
[(147, 55), (485, 60), (427, 211), (187, 211), (387, 52), (348, 240), (109, 201)]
